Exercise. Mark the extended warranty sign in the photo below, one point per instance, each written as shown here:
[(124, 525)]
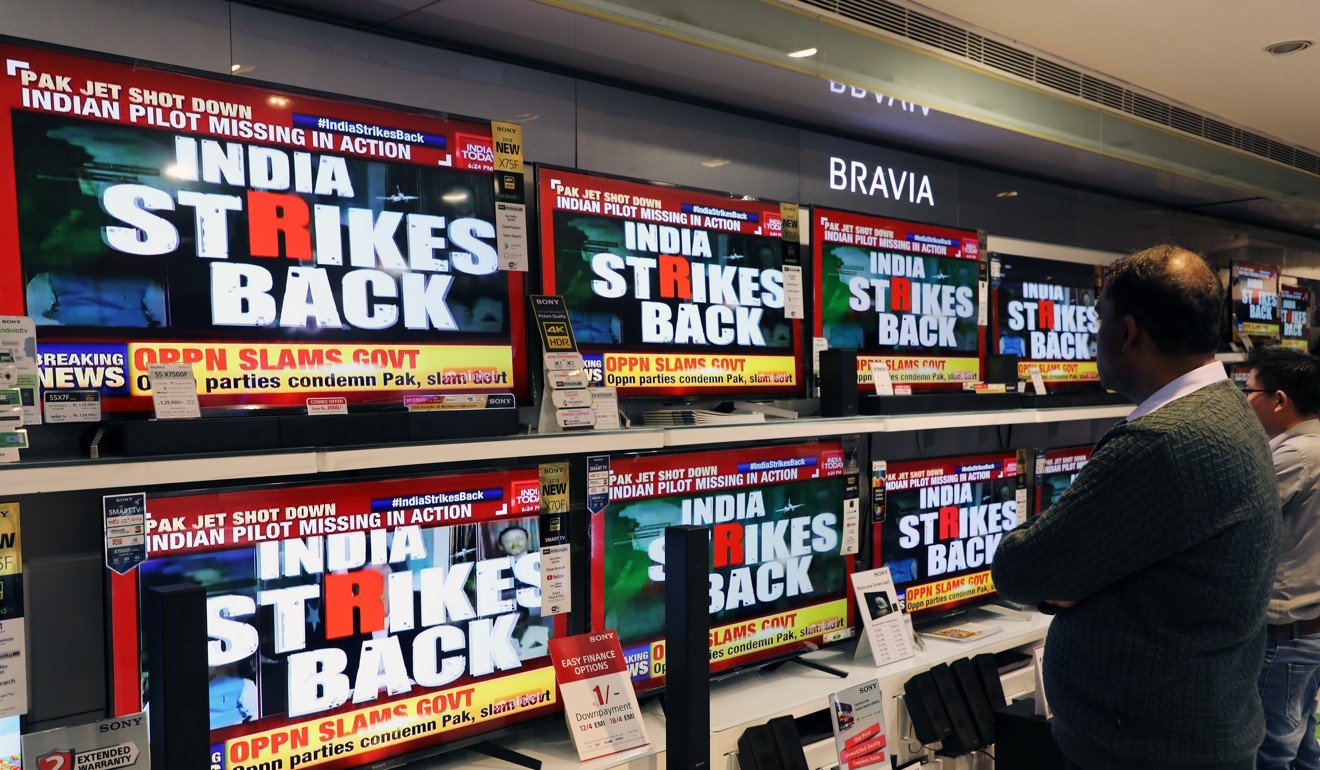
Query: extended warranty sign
[(113, 744)]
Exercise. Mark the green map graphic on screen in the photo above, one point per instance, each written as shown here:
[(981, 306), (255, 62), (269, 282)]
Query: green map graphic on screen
[(875, 300), (782, 553)]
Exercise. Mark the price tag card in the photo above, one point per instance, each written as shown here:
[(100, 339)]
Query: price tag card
[(565, 370), (852, 524), (125, 531), (556, 579), (598, 483), (511, 236), (884, 383), (327, 405), (1037, 380), (793, 292), (605, 403), (174, 391), (600, 704), (574, 398), (889, 635), (72, 405), (859, 725), (584, 417)]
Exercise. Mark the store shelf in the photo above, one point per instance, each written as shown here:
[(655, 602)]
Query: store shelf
[(499, 448), (120, 473), (551, 744)]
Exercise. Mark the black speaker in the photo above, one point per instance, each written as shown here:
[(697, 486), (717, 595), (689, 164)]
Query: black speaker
[(789, 742), (930, 720), (965, 736), (969, 681), (757, 750), (988, 668), (838, 382), (174, 620), (687, 648), (1002, 369)]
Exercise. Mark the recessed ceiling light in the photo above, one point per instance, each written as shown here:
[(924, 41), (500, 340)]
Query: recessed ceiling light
[(1289, 46), (716, 162), (235, 67), (1007, 194), (804, 53), (277, 101)]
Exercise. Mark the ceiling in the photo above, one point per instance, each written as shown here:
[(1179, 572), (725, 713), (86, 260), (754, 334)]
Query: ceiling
[(540, 34), (1207, 54)]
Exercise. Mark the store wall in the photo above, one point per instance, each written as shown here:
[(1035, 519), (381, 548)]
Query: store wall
[(568, 122)]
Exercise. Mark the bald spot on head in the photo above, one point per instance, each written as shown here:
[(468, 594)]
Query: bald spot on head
[(1173, 294)]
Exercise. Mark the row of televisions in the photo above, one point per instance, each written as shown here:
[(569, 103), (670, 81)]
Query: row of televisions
[(376, 619), (289, 244)]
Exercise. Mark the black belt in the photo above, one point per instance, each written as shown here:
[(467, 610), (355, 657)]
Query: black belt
[(1295, 630)]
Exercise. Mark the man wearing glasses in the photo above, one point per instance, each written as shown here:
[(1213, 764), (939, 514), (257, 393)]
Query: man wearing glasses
[(1284, 391)]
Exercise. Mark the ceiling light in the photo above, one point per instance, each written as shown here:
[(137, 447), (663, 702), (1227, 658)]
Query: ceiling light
[(1007, 194), (716, 162), (526, 117), (278, 101), (1289, 46), (804, 53), (235, 67)]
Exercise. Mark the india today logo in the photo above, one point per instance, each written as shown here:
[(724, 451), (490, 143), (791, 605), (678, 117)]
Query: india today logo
[(56, 760), (475, 152)]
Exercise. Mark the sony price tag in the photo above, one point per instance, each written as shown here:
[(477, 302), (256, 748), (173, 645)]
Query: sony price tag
[(327, 405), (575, 398), (600, 703), (511, 236), (112, 744), (174, 391), (125, 531), (72, 405), (605, 403), (884, 383), (888, 634), (1021, 498), (1037, 380), (598, 483), (793, 305), (576, 418), (982, 302), (852, 524)]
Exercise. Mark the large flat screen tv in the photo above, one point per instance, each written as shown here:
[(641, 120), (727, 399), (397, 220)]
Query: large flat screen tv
[(284, 244), (352, 623), (778, 582), (672, 291), (1055, 471), (1254, 294), (938, 522), (900, 292), (1045, 314), (1295, 316)]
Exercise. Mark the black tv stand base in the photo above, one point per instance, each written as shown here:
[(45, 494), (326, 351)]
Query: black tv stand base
[(489, 749), (831, 670)]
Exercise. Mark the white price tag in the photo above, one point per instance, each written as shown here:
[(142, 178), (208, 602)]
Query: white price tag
[(982, 303), (174, 391), (565, 370), (572, 398), (584, 417), (852, 525), (605, 403), (1021, 499), (556, 595), (793, 292), (511, 236), (884, 383), (1037, 380)]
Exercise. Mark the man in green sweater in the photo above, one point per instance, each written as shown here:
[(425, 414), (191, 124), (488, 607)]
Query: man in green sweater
[(1159, 557)]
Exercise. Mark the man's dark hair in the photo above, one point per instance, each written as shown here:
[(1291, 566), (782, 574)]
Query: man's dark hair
[(1292, 371), (1180, 307)]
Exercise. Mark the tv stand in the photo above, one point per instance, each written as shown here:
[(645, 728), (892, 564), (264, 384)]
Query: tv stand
[(493, 751), (1008, 611)]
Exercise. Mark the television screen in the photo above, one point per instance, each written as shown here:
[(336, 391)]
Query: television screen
[(900, 292), (350, 623), (778, 583), (938, 523), (1255, 297), (1055, 470), (672, 292), (283, 244), (1045, 314), (1295, 317)]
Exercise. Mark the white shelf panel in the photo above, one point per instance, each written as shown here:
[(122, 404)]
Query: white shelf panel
[(116, 473), (499, 448), (127, 474)]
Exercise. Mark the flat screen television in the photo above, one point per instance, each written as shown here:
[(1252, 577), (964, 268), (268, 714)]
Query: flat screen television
[(938, 523), (1295, 317), (1055, 471), (285, 244), (356, 622), (1255, 300), (778, 584), (905, 293), (672, 291), (1045, 314)]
